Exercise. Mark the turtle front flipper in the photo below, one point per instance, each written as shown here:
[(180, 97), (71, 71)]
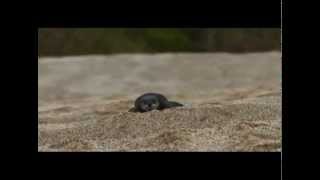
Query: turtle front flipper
[(133, 110), (171, 104)]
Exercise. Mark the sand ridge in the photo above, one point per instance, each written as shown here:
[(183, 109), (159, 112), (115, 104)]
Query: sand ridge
[(242, 126)]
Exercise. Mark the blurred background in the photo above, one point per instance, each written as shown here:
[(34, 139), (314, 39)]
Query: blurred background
[(183, 63), (79, 41)]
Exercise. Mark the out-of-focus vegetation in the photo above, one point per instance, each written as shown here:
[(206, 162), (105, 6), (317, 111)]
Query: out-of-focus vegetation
[(77, 41)]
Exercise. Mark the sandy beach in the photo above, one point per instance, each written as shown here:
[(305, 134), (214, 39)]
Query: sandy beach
[(232, 102)]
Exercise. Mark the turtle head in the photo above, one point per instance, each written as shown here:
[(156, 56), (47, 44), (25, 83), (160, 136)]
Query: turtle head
[(149, 103)]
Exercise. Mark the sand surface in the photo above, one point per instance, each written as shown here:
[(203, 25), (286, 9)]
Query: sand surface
[(232, 102)]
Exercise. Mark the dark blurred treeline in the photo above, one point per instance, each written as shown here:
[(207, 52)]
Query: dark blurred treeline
[(77, 41)]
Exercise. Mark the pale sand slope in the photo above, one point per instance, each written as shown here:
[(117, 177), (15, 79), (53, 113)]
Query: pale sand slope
[(233, 102)]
